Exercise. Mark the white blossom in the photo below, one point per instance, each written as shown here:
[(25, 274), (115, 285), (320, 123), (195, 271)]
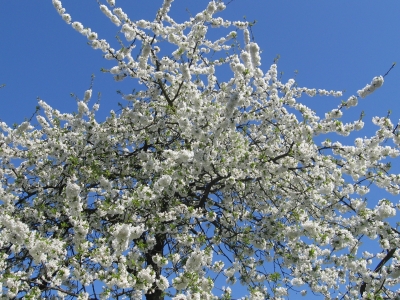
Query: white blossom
[(377, 82), (67, 18), (77, 26), (88, 95)]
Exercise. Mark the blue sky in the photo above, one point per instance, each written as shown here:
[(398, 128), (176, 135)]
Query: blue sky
[(338, 45), (332, 44)]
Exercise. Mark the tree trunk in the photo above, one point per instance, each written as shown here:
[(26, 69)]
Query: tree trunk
[(158, 249), (157, 295)]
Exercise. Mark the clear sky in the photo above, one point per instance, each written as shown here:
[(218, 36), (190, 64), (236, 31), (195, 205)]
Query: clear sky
[(339, 45), (332, 44)]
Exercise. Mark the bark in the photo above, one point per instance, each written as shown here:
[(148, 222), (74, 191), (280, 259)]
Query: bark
[(157, 294), (388, 256)]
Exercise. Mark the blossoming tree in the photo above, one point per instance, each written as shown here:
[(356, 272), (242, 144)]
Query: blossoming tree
[(196, 179)]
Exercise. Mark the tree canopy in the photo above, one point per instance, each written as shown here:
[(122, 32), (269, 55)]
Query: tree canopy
[(196, 178)]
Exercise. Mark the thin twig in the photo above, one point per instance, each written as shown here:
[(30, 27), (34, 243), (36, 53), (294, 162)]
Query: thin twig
[(390, 69)]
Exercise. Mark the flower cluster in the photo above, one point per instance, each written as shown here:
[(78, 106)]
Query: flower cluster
[(370, 88)]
